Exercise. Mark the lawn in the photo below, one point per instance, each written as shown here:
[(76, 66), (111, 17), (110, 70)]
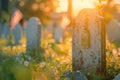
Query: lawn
[(52, 62)]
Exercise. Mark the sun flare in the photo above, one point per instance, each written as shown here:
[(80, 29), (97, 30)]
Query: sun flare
[(63, 6), (77, 5)]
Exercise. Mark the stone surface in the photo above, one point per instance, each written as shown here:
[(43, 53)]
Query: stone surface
[(88, 55), (6, 30), (33, 33), (17, 34), (0, 30), (117, 77), (113, 30), (75, 76), (58, 32)]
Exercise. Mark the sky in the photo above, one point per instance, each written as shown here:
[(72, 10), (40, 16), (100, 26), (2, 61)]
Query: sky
[(117, 1)]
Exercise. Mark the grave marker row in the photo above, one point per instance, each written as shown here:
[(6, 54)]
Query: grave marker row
[(88, 40)]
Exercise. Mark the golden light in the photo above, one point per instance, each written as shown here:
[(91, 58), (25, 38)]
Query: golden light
[(77, 5), (62, 6), (35, 6), (22, 3), (80, 4)]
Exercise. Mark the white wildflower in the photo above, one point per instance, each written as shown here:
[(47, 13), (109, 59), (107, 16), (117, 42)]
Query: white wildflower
[(42, 64), (114, 52), (26, 63)]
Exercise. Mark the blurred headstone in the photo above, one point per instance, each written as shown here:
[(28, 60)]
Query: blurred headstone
[(117, 77), (17, 34), (88, 47), (75, 76), (113, 30), (58, 32), (33, 34), (6, 30), (0, 30)]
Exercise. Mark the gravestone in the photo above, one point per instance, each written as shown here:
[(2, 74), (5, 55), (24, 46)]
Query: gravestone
[(17, 34), (33, 33), (75, 76), (113, 30), (117, 77), (58, 32), (6, 30), (88, 45), (0, 30)]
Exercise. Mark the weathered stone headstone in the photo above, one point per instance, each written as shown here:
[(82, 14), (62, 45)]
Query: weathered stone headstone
[(33, 33), (17, 34), (6, 30), (113, 30), (117, 77), (88, 42), (0, 30), (75, 76), (58, 32)]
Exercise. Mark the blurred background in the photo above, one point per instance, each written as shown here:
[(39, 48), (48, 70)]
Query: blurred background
[(56, 18)]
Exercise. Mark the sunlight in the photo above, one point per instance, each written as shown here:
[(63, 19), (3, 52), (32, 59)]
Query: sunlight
[(80, 4), (77, 5), (63, 6)]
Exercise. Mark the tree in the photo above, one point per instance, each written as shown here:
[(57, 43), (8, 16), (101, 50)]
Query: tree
[(39, 8)]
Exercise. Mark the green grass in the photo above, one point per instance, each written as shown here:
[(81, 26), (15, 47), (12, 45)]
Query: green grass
[(51, 62)]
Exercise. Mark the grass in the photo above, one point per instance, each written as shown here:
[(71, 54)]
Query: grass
[(51, 62)]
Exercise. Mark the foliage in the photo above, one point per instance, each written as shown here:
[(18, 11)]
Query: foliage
[(37, 8), (51, 62), (113, 60), (10, 69), (4, 17)]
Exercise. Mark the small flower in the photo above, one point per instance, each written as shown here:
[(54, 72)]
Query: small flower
[(26, 63), (42, 64), (114, 52), (47, 53), (88, 73), (53, 55), (118, 54), (118, 49)]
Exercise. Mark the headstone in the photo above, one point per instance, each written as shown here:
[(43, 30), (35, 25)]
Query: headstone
[(75, 76), (58, 32), (6, 30), (113, 30), (0, 30), (117, 77), (17, 34), (88, 47), (33, 33)]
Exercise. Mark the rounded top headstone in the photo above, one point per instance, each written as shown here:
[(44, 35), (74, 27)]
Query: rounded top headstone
[(117, 77), (34, 20), (91, 14), (88, 11)]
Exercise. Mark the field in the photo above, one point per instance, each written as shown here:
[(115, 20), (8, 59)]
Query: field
[(52, 62)]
